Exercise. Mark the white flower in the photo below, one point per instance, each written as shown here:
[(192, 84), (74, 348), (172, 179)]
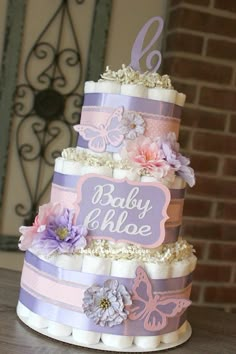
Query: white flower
[(132, 125)]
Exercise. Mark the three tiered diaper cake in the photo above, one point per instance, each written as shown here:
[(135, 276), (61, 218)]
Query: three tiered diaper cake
[(105, 265)]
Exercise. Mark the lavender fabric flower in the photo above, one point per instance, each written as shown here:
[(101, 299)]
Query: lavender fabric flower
[(59, 234), (180, 163), (106, 305), (132, 125)]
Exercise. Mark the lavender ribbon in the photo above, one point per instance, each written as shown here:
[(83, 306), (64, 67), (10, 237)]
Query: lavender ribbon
[(90, 279), (79, 320), (131, 103)]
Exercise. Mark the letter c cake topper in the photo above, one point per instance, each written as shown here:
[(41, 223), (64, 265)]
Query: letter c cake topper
[(138, 52)]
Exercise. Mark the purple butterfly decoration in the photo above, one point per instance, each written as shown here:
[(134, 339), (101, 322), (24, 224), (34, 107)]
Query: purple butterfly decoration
[(153, 309), (109, 133)]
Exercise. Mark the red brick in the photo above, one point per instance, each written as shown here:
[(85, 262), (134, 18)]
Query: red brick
[(206, 230), (199, 247), (196, 207), (223, 252), (189, 90), (195, 292), (208, 272), (184, 42), (227, 5), (218, 98), (226, 211), (196, 69), (221, 49), (202, 21), (213, 187), (184, 138), (199, 118), (229, 168), (233, 123), (225, 294), (204, 164), (212, 142), (192, 2)]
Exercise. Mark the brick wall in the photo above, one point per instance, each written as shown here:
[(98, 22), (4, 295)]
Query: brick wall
[(200, 56)]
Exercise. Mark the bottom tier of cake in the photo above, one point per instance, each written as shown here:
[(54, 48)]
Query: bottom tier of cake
[(107, 303), (184, 333)]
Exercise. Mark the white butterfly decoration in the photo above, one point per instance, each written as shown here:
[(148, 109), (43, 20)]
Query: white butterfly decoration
[(105, 134)]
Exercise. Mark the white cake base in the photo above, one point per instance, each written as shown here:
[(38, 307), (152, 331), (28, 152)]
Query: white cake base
[(100, 346)]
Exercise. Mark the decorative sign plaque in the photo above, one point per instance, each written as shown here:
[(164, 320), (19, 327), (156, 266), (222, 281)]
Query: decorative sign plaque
[(123, 210)]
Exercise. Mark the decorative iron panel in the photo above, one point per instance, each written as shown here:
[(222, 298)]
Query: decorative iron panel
[(47, 103)]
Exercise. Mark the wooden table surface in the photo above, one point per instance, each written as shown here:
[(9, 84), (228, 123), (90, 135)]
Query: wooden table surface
[(214, 331)]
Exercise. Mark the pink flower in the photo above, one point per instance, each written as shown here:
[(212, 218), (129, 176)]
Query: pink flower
[(147, 155), (46, 212)]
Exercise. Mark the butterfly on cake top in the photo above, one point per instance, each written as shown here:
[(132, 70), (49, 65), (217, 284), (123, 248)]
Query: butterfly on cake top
[(117, 197)]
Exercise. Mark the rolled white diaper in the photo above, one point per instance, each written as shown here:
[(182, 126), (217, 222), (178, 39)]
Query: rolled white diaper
[(107, 87), (181, 268), (178, 183), (127, 269), (180, 99), (22, 310), (37, 321), (164, 95), (193, 262), (106, 155), (71, 262), (59, 164), (134, 90), (58, 329), (116, 156), (89, 87), (119, 173), (148, 179), (94, 265), (155, 271), (100, 170), (167, 183), (182, 329), (72, 167)]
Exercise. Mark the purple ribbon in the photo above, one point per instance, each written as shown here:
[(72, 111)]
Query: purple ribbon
[(81, 142), (79, 320), (132, 103), (89, 279), (68, 181), (71, 181)]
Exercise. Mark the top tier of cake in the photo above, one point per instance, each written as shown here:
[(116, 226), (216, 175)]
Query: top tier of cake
[(143, 100)]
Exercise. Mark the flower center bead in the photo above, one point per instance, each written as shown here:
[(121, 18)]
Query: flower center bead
[(132, 126), (62, 232), (104, 303)]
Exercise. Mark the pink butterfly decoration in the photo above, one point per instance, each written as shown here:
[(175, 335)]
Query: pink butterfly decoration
[(99, 137), (153, 309)]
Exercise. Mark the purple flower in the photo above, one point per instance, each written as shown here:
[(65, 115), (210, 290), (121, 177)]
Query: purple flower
[(132, 125), (60, 235), (106, 305), (176, 160)]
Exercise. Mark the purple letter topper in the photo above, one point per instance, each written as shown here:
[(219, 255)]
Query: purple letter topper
[(138, 52), (123, 210)]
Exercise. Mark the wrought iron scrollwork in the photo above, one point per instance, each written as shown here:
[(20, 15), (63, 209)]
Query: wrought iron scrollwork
[(47, 104)]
